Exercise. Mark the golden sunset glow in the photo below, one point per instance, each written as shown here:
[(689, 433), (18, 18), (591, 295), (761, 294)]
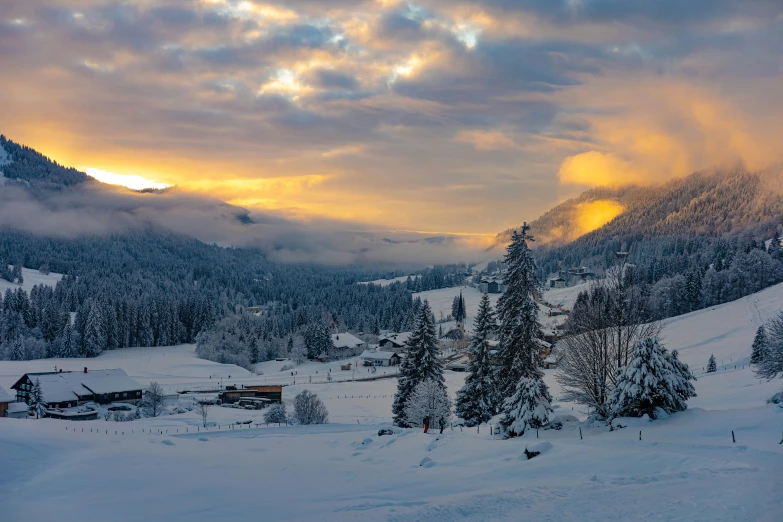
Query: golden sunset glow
[(595, 214), (461, 117), (126, 180)]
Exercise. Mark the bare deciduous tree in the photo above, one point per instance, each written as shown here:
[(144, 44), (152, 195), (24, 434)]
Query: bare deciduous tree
[(202, 408), (153, 400), (603, 328)]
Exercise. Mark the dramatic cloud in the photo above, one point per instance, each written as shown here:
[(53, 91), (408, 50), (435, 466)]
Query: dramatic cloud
[(460, 116)]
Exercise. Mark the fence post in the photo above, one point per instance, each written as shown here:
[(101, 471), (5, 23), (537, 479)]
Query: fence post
[(640, 434), (580, 433), (734, 440)]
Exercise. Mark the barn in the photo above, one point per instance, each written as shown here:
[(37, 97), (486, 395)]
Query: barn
[(5, 400), (380, 358), (69, 389)]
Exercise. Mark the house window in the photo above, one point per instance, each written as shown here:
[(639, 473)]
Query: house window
[(124, 395), (116, 395)]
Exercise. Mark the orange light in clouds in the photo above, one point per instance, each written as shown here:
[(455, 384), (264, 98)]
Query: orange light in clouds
[(595, 214), (126, 180)]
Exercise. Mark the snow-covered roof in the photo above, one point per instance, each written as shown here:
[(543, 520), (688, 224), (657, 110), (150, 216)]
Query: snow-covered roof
[(5, 396), (385, 356), (16, 407), (69, 386), (346, 340), (398, 339)]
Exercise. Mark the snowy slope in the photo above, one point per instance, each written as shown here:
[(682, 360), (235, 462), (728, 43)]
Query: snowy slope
[(684, 468), (31, 278)]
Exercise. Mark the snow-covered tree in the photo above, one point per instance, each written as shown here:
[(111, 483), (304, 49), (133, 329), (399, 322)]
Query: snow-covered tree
[(35, 401), (759, 348), (276, 414), (308, 409), (252, 347), (95, 333), (529, 407), (518, 315), (478, 400), (429, 398), (683, 385), (153, 400), (712, 367), (651, 380), (298, 351), (17, 350), (771, 364), (422, 363)]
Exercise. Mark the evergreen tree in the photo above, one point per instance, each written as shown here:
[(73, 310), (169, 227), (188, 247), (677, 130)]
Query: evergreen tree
[(771, 364), (518, 314), (35, 400), (477, 401), (458, 310), (775, 250), (68, 344), (529, 407), (759, 346), (17, 350), (95, 333), (711, 366), (650, 381), (683, 386), (252, 348), (422, 363)]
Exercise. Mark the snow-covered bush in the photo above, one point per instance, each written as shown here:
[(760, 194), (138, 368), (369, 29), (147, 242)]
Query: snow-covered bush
[(308, 409), (287, 367), (429, 398), (653, 379), (529, 407), (276, 414)]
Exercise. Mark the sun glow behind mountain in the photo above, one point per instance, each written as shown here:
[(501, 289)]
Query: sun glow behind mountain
[(131, 181)]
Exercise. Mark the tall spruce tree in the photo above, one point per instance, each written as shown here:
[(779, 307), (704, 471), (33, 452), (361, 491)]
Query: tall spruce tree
[(518, 315), (759, 346), (458, 310), (68, 344), (95, 333), (422, 363), (478, 401)]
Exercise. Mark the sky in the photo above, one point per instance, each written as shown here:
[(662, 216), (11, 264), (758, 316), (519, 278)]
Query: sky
[(437, 116)]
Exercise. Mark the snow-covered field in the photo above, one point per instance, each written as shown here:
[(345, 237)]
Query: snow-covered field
[(31, 278), (387, 282), (686, 467)]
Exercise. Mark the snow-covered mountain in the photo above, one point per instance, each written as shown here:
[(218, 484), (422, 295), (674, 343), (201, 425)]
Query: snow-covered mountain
[(710, 203)]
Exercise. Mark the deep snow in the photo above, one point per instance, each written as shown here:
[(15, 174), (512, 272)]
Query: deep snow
[(686, 466)]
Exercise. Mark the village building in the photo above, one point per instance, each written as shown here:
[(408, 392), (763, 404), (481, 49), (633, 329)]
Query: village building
[(70, 389), (557, 282), (380, 358), (394, 341), (269, 394), (455, 339), (346, 345), (491, 285), (5, 401)]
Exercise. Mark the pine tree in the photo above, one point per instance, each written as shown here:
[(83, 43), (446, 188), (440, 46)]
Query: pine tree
[(518, 315), (683, 385), (95, 333), (422, 363), (458, 310), (759, 346), (478, 401), (775, 250), (651, 380), (528, 407), (35, 400), (17, 350), (252, 348), (711, 366), (68, 345)]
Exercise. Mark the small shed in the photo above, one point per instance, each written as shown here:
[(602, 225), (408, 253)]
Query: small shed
[(273, 392), (17, 410)]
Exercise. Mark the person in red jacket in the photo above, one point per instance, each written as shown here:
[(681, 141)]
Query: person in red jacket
[(426, 423)]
